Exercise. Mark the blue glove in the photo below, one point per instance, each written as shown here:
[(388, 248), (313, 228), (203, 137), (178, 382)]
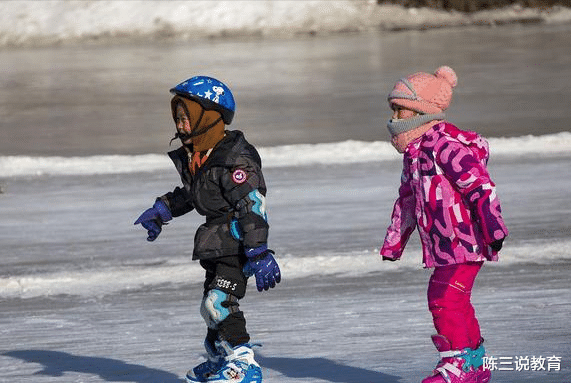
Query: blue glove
[(262, 264), (152, 219)]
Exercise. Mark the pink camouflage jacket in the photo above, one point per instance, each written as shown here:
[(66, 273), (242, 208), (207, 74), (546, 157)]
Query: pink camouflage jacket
[(447, 192)]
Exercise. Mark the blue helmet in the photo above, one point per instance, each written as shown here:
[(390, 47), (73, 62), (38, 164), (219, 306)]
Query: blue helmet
[(210, 93)]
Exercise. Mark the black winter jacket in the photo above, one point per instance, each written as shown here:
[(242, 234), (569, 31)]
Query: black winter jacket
[(223, 190)]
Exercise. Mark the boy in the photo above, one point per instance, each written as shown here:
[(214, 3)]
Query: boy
[(222, 180)]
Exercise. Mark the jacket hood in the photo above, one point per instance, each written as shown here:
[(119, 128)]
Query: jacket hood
[(477, 144)]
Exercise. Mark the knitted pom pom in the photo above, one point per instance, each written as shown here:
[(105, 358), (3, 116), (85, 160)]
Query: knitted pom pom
[(448, 74)]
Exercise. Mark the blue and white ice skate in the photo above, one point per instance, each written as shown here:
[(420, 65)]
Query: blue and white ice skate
[(239, 367), (204, 370), (215, 361)]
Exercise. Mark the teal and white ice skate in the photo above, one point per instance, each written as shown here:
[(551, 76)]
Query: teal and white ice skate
[(239, 367), (458, 366)]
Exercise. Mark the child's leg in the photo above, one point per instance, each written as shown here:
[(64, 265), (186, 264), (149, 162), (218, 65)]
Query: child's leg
[(224, 286), (449, 293)]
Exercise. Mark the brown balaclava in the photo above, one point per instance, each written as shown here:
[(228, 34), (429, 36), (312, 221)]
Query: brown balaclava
[(199, 119)]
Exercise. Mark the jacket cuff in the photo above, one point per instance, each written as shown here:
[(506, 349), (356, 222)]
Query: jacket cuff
[(257, 253), (163, 210)]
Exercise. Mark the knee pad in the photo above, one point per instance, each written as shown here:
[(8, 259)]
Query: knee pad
[(217, 306)]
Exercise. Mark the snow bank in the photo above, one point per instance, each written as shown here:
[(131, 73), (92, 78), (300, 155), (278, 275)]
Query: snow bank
[(36, 23), (103, 281), (345, 152)]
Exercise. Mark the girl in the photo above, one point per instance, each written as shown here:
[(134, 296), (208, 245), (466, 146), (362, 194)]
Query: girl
[(447, 193)]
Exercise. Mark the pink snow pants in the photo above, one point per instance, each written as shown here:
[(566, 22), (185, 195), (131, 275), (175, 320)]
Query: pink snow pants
[(449, 293)]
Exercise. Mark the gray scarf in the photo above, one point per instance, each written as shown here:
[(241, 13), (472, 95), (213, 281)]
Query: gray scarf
[(403, 125)]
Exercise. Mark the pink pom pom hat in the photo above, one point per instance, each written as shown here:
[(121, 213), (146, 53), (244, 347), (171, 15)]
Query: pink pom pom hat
[(425, 93)]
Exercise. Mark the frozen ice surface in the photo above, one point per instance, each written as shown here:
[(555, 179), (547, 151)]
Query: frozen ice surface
[(105, 305), (374, 328), (83, 296)]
